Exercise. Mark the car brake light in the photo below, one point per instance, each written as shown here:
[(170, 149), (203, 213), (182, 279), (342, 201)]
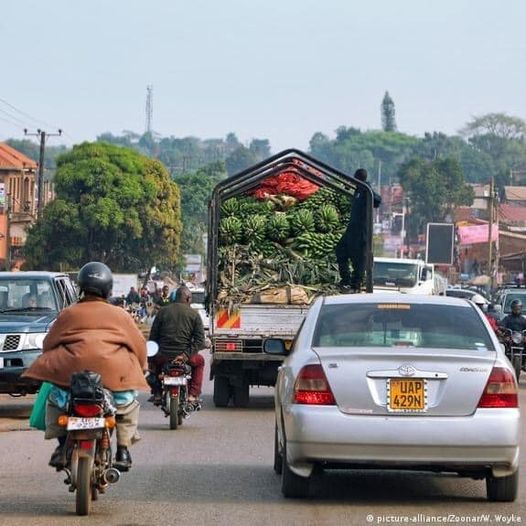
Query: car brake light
[(312, 387), (88, 410), (501, 389)]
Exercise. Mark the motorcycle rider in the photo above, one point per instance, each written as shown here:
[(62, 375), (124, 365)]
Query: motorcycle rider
[(97, 336), (482, 304), (178, 330), (514, 321)]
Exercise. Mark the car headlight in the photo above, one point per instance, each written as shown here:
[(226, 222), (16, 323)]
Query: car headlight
[(516, 338), (34, 340)]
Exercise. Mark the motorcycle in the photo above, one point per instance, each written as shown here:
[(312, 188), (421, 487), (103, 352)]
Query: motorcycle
[(514, 342), (174, 378), (89, 422)]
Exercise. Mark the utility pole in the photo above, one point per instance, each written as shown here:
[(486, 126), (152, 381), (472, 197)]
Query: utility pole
[(40, 181), (490, 230)]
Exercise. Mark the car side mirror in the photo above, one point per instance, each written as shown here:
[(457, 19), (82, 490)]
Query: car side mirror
[(275, 346)]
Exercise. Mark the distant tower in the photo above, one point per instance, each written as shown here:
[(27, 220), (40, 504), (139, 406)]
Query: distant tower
[(149, 108)]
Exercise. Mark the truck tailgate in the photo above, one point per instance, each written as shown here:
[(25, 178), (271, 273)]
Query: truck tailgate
[(259, 320)]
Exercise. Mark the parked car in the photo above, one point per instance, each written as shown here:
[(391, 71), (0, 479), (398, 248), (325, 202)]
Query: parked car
[(466, 294), (399, 381), (29, 304)]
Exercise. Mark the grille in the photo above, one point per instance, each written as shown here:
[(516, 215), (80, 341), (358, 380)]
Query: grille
[(11, 343)]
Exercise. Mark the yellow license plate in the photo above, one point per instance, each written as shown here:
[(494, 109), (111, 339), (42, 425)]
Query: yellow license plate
[(406, 395)]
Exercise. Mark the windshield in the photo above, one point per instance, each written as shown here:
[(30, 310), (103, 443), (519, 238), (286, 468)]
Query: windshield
[(25, 294), (395, 274), (514, 296), (198, 297), (401, 325)]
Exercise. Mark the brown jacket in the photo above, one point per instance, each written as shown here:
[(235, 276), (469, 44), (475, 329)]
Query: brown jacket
[(97, 336)]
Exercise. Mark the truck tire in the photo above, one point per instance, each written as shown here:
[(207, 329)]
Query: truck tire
[(502, 489), (241, 394), (221, 391)]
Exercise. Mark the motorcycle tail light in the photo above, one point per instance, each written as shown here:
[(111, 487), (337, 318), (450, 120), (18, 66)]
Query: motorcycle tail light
[(87, 410), (176, 372), (501, 390), (312, 387)]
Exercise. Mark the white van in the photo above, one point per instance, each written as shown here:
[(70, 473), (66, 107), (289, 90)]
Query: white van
[(411, 276)]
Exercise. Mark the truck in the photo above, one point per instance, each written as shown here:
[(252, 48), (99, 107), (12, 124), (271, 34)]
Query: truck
[(296, 264), (410, 276)]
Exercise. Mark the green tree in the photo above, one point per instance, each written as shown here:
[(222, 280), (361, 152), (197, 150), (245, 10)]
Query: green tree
[(113, 205), (500, 137), (196, 191), (388, 113), (239, 159), (434, 188)]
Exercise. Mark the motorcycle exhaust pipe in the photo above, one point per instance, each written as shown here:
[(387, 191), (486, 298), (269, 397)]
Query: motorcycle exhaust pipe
[(112, 475)]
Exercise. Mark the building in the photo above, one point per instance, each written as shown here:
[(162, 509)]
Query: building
[(515, 195), (17, 201)]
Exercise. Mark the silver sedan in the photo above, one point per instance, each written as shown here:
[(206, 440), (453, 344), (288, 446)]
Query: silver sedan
[(378, 381)]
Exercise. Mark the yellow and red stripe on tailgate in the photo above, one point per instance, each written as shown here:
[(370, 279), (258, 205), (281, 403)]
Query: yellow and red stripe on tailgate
[(228, 321)]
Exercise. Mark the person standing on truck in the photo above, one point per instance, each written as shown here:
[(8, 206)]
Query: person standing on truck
[(178, 330), (353, 242)]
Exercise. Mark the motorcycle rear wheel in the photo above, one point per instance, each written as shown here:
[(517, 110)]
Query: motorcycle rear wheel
[(83, 495), (174, 411)]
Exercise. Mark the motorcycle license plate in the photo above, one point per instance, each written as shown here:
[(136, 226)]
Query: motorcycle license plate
[(76, 423), (175, 380), (406, 395)]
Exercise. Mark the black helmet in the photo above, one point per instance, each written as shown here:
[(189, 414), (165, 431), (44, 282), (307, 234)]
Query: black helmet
[(95, 278)]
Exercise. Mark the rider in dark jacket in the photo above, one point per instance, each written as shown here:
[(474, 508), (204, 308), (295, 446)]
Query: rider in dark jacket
[(514, 321)]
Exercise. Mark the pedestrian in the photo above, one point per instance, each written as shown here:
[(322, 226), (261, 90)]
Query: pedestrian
[(352, 245)]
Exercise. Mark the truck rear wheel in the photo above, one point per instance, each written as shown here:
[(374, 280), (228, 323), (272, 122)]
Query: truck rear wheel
[(221, 391), (242, 394)]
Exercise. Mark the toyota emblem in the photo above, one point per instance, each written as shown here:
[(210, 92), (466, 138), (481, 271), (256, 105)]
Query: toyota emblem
[(407, 370)]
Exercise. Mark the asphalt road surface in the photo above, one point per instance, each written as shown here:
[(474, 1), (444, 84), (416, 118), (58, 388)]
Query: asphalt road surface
[(217, 469)]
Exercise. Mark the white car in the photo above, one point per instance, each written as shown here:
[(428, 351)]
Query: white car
[(396, 381)]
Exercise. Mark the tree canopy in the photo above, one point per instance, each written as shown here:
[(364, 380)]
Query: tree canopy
[(388, 113), (112, 205), (196, 191), (433, 189)]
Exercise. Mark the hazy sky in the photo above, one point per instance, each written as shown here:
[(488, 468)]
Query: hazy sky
[(276, 69)]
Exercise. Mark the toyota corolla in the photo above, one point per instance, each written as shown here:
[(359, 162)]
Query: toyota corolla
[(396, 382)]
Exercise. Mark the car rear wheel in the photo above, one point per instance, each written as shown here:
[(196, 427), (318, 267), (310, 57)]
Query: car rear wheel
[(278, 458), (292, 486), (502, 489)]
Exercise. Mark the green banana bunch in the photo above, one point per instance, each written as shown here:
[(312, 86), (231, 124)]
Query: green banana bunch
[(278, 227), (301, 221), (230, 230), (327, 218)]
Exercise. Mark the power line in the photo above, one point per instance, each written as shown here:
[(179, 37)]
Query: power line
[(15, 124), (13, 117), (27, 115)]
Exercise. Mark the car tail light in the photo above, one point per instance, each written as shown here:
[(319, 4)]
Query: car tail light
[(87, 410), (312, 387), (501, 389)]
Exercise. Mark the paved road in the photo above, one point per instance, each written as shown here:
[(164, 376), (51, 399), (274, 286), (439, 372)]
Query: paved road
[(217, 469)]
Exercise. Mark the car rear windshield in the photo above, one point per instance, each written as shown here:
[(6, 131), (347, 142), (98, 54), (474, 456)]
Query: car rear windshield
[(401, 325)]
